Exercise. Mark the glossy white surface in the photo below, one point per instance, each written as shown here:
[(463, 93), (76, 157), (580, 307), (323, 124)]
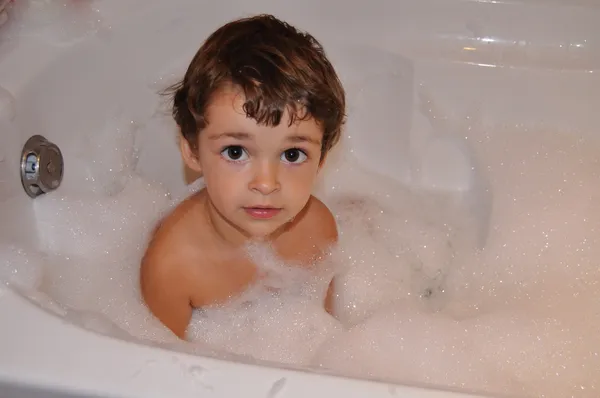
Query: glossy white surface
[(515, 63)]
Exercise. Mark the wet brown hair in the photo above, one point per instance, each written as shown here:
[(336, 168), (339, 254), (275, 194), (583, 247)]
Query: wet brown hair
[(276, 66)]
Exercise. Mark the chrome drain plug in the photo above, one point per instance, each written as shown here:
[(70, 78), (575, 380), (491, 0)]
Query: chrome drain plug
[(41, 166)]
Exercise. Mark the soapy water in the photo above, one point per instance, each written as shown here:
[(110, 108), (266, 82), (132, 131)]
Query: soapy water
[(417, 300)]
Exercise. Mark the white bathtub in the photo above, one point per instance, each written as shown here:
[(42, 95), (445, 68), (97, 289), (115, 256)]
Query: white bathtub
[(518, 63)]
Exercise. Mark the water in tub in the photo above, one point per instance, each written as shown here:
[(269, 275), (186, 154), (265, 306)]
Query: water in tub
[(430, 287)]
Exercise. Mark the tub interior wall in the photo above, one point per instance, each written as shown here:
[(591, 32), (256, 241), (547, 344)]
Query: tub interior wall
[(392, 59), (409, 79)]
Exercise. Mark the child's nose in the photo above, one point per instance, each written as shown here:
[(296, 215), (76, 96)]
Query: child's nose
[(265, 179)]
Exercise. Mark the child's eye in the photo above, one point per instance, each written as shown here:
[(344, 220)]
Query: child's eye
[(293, 155), (234, 153)]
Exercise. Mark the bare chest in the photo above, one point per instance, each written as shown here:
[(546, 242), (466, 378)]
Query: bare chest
[(228, 274)]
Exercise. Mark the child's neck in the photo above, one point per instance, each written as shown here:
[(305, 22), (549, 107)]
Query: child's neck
[(229, 234)]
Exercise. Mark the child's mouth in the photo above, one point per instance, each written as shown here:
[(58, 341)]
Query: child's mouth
[(262, 213)]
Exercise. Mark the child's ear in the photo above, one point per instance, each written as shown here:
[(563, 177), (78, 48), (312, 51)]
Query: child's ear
[(189, 156)]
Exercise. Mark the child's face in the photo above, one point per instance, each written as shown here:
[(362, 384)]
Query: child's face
[(257, 177)]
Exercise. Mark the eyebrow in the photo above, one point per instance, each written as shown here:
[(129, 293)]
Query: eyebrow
[(246, 136), (239, 136), (303, 138)]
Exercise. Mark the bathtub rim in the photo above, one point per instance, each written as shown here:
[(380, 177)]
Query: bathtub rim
[(138, 356)]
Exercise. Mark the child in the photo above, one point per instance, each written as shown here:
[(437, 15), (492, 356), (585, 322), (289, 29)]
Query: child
[(259, 108)]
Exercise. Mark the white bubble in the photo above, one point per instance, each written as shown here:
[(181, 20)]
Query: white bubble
[(21, 267), (103, 161), (279, 319)]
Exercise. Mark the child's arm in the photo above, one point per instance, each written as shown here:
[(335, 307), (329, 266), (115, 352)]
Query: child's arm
[(326, 236), (164, 286)]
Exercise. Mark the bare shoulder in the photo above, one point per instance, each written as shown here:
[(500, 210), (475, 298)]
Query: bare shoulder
[(321, 221), (311, 236), (167, 278), (171, 237)]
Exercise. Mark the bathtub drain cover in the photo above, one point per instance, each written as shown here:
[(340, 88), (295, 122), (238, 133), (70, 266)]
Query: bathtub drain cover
[(41, 166)]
